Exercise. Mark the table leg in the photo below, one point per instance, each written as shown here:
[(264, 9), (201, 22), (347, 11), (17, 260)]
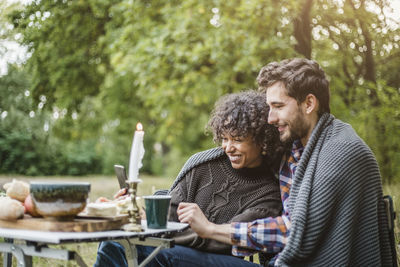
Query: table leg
[(24, 254), (131, 252), (79, 260), (23, 260), (7, 260), (7, 257), (151, 256)]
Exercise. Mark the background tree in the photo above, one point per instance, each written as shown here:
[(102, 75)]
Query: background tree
[(183, 55), (108, 64), (27, 145), (365, 38)]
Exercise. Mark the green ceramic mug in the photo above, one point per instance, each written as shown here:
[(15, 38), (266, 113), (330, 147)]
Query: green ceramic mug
[(157, 209)]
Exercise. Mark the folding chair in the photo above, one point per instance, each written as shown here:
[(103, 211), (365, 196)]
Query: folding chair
[(391, 216)]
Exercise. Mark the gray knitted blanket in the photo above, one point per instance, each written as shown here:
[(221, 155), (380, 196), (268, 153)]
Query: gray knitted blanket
[(196, 160), (335, 202)]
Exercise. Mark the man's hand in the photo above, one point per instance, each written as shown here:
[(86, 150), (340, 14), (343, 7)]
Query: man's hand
[(191, 213)]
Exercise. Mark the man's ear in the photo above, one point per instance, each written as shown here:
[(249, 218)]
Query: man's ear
[(311, 104)]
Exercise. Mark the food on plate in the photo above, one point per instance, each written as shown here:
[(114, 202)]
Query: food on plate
[(16, 189), (102, 209), (123, 204), (10, 209)]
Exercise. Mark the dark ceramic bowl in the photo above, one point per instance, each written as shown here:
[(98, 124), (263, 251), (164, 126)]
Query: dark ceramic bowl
[(59, 199)]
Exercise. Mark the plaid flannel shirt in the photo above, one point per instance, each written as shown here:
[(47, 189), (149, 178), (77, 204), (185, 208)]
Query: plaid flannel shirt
[(269, 234)]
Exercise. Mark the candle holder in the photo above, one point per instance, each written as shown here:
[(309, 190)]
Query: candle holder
[(134, 224)]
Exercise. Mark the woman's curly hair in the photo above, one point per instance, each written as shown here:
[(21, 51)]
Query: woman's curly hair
[(245, 114)]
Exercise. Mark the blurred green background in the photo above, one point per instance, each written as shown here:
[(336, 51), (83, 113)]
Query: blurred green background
[(94, 68)]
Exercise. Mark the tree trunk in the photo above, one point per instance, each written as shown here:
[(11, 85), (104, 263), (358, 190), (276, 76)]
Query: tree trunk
[(302, 30), (369, 74)]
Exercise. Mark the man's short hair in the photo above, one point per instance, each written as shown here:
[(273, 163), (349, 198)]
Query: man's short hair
[(300, 77)]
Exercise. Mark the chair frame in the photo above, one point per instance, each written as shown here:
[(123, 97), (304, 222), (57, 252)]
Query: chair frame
[(391, 216)]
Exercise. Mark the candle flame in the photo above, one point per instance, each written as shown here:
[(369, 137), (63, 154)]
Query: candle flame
[(139, 127)]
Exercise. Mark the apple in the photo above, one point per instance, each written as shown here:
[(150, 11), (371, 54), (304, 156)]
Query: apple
[(30, 207)]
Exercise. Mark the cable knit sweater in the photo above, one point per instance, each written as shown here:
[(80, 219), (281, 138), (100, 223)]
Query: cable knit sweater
[(335, 205), (224, 194)]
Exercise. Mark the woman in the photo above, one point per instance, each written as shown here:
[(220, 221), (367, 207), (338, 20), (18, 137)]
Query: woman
[(234, 182)]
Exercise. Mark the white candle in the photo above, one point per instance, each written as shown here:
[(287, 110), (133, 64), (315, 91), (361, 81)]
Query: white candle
[(137, 152)]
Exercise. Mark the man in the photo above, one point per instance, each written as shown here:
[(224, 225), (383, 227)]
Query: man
[(330, 184)]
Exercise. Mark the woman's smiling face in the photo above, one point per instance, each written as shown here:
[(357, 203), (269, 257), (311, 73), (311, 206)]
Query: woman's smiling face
[(243, 152)]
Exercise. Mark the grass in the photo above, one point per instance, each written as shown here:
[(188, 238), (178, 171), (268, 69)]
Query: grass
[(106, 186)]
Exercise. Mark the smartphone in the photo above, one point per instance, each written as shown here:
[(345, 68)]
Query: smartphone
[(121, 175)]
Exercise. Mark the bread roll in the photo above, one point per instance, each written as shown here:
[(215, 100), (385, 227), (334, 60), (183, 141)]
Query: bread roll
[(10, 209), (18, 190)]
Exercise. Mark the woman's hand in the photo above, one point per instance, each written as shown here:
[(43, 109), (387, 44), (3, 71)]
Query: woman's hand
[(102, 199), (191, 213), (120, 193)]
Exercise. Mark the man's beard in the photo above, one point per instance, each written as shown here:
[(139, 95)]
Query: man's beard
[(298, 128)]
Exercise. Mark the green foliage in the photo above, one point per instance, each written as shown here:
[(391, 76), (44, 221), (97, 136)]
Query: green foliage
[(63, 38), (25, 147), (177, 64), (358, 46), (379, 125)]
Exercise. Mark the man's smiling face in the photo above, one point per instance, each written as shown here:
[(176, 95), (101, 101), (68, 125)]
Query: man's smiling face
[(286, 114)]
